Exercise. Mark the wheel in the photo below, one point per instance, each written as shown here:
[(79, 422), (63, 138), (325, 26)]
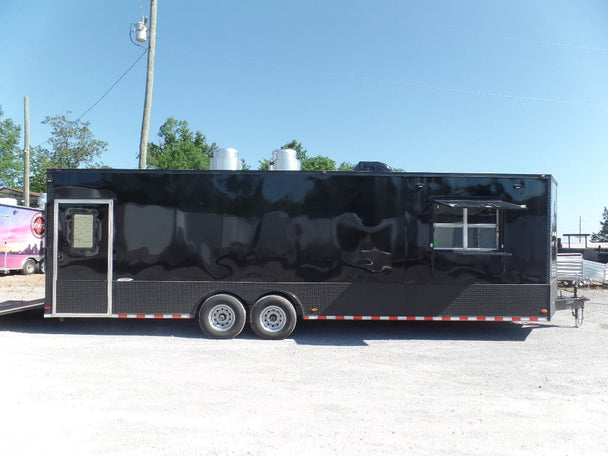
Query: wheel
[(29, 267), (222, 316), (273, 317), (41, 266)]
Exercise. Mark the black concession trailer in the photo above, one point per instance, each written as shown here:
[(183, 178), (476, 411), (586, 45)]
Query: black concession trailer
[(271, 247)]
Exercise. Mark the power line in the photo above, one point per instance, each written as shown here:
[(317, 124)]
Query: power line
[(113, 85), (453, 30), (394, 82), (104, 95)]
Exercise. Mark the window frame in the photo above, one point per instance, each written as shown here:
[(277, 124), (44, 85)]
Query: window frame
[(73, 218), (464, 227)]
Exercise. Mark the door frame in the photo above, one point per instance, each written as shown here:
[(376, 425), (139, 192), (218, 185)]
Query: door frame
[(109, 203)]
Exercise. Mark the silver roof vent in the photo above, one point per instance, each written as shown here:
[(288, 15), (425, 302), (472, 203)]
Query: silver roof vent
[(226, 159), (284, 160)]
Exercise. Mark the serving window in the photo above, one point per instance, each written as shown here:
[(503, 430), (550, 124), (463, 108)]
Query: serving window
[(468, 225)]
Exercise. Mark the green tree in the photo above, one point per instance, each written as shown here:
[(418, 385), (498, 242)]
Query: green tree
[(179, 147), (346, 166), (602, 235), (72, 145), (318, 163), (11, 167), (264, 164), (301, 152)]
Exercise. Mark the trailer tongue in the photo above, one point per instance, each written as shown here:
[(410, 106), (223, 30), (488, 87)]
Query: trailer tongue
[(575, 303)]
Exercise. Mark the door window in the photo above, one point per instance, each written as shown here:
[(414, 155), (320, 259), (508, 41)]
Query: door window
[(83, 231)]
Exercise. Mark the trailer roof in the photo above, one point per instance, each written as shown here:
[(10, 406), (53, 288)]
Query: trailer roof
[(357, 173)]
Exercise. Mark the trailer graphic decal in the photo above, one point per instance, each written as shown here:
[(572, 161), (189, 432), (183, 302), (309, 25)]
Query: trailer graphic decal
[(37, 226)]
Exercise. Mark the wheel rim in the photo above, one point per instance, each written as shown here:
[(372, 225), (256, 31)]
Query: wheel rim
[(273, 318), (222, 317)]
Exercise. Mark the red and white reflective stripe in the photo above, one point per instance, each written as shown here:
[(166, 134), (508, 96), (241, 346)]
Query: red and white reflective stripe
[(153, 316), (425, 318)]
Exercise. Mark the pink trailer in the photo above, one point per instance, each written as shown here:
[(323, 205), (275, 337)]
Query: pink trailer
[(21, 239)]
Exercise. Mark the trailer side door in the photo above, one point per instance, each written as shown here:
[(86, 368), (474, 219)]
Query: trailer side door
[(82, 262)]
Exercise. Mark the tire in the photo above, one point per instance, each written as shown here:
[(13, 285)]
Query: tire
[(273, 317), (41, 266), (29, 267), (222, 316)]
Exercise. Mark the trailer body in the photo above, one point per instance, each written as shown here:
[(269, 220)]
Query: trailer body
[(268, 247), (21, 239)]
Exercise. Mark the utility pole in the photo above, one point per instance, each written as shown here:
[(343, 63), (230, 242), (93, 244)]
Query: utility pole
[(145, 125), (26, 153)]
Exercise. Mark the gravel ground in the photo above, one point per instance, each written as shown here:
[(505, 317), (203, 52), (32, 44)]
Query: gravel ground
[(21, 287), (125, 387)]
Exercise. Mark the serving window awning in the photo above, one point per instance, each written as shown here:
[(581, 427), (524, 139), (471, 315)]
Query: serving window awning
[(490, 204)]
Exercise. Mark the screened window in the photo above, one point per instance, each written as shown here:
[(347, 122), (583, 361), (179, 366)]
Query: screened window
[(83, 231), (465, 228)]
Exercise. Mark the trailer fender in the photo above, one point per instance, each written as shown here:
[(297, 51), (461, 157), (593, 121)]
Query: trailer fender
[(295, 302)]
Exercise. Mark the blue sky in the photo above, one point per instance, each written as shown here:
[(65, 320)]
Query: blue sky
[(446, 86)]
